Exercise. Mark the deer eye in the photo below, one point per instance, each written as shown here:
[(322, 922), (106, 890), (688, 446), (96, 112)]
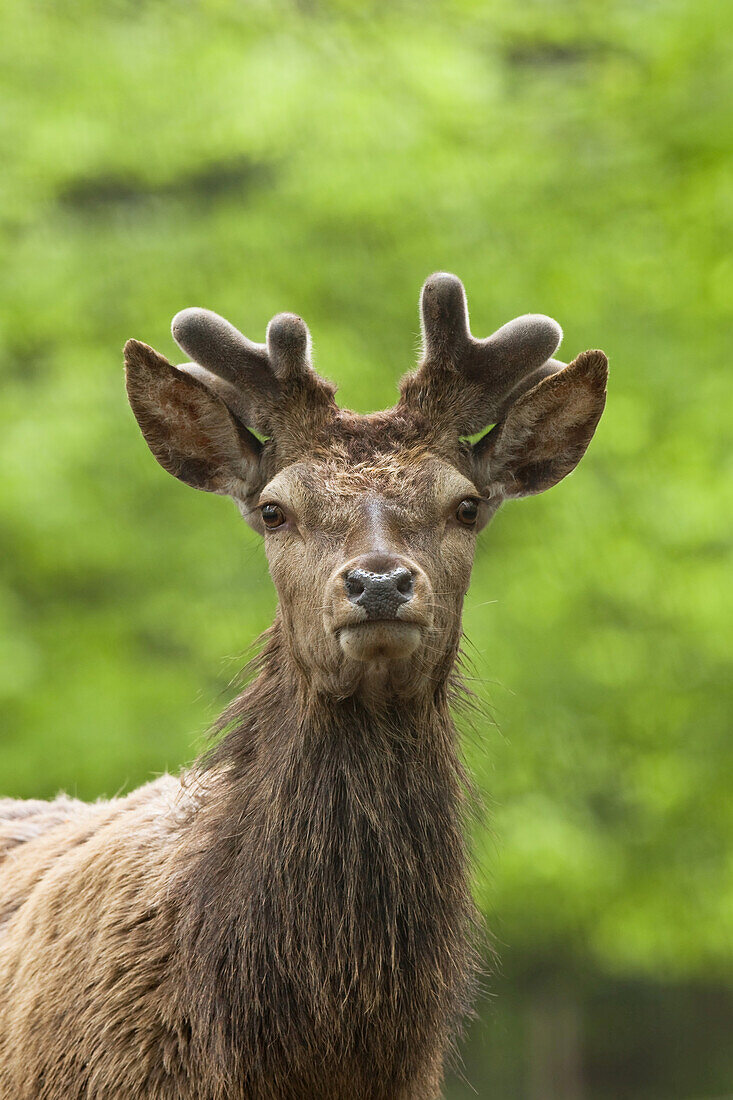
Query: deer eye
[(467, 512), (272, 516)]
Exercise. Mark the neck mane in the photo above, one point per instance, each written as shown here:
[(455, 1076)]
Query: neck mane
[(326, 921)]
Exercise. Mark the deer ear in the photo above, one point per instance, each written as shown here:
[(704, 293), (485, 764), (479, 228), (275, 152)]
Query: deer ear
[(190, 430), (546, 431)]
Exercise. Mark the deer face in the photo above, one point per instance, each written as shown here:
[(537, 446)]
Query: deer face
[(371, 561), (369, 522)]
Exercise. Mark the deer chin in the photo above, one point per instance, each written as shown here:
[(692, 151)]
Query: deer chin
[(380, 640)]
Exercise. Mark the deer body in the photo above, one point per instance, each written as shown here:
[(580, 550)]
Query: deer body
[(177, 928), (292, 918)]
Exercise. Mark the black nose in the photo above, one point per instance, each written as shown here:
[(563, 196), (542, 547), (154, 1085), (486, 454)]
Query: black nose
[(380, 594)]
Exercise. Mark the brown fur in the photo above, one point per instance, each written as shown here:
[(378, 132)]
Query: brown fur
[(290, 918)]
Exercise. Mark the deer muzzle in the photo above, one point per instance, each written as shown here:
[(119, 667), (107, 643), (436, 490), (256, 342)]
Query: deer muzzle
[(379, 607)]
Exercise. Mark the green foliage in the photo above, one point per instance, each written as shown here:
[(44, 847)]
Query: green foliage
[(571, 158)]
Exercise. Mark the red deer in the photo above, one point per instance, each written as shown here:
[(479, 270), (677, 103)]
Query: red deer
[(291, 918)]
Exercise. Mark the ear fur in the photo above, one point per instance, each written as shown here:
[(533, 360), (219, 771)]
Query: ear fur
[(546, 432), (191, 431)]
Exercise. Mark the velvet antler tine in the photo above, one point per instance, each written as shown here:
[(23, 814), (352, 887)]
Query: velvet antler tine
[(216, 344), (466, 383), (526, 341), (288, 345), (444, 318)]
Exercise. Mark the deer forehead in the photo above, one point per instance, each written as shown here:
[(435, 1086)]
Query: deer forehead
[(419, 487)]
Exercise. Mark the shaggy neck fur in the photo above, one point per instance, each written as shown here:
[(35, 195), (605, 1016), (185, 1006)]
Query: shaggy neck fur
[(328, 921)]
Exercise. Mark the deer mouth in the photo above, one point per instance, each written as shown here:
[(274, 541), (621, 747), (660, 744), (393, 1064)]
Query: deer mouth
[(379, 639)]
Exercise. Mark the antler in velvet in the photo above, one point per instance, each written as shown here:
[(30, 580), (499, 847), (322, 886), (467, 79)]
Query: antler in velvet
[(466, 383), (271, 387)]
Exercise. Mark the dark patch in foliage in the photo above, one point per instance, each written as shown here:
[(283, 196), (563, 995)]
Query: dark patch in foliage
[(28, 364), (160, 644), (542, 54), (110, 190)]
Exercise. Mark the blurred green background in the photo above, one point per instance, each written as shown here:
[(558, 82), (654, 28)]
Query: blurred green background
[(571, 157)]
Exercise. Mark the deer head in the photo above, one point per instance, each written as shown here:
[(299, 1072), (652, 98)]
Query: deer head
[(369, 521)]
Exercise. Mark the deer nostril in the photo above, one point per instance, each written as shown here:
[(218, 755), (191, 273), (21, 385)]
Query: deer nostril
[(380, 594), (404, 581), (354, 582)]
